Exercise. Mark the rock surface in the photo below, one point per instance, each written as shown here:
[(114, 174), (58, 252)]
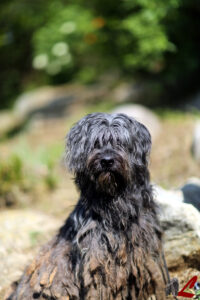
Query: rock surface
[(191, 192), (8, 122), (43, 101), (21, 232), (195, 148), (51, 101), (143, 115), (181, 225), (192, 102), (126, 91)]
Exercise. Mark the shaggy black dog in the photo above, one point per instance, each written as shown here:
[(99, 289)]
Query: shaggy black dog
[(110, 246)]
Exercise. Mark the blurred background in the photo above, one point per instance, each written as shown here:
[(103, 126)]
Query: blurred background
[(60, 60)]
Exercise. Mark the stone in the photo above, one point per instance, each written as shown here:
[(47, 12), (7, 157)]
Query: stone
[(55, 101), (193, 102), (21, 233), (126, 91), (45, 101), (8, 122), (195, 147), (143, 115), (191, 192), (181, 225)]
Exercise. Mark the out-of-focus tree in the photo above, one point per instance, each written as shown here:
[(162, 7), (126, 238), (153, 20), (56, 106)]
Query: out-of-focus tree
[(64, 45), (63, 40), (18, 22), (129, 35)]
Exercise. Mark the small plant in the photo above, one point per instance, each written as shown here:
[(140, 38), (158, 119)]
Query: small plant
[(12, 178), (34, 237), (50, 178), (51, 181), (25, 170)]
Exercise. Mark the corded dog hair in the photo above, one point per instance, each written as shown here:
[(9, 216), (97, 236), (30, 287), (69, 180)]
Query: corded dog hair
[(110, 247)]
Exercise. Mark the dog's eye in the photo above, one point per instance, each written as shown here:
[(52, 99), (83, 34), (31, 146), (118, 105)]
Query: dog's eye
[(97, 144), (119, 143), (130, 149)]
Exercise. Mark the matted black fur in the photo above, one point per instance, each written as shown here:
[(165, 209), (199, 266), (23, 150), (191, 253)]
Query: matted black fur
[(110, 246)]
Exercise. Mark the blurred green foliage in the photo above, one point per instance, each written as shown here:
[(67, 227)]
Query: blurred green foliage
[(23, 171), (11, 177), (57, 41)]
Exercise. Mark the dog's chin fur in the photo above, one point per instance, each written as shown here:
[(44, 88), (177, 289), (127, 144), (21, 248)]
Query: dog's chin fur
[(107, 182)]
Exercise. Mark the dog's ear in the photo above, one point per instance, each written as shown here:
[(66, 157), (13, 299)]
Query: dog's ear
[(145, 139), (142, 144), (76, 146)]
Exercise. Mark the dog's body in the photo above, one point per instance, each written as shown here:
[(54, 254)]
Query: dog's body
[(110, 246)]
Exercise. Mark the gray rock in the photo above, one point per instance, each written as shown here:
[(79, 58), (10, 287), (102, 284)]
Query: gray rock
[(191, 192), (45, 101), (181, 225), (183, 251), (8, 122), (195, 148), (192, 102), (49, 101), (143, 115), (126, 91), (21, 232)]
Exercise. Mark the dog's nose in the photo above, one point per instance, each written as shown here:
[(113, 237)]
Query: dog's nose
[(107, 162)]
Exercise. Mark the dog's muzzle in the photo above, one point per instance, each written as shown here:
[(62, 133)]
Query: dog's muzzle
[(109, 169), (107, 161)]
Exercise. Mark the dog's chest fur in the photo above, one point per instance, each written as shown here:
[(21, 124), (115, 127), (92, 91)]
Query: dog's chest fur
[(97, 260), (112, 264)]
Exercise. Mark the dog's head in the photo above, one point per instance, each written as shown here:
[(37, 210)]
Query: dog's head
[(111, 150)]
